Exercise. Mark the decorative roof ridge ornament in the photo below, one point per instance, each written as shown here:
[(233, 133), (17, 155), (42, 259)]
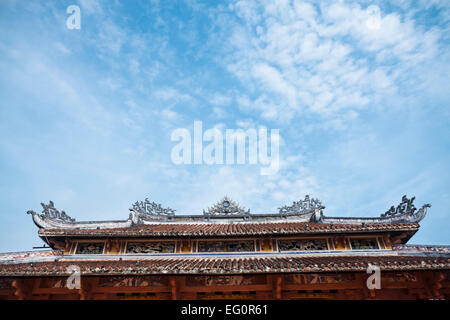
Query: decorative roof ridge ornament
[(50, 212), (406, 206), (148, 211), (226, 207), (301, 207), (406, 211), (52, 218)]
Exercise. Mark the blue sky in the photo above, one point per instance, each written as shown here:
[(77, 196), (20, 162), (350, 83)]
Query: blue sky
[(86, 115)]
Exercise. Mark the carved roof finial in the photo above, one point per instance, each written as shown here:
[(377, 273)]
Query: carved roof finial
[(226, 207), (405, 211), (301, 207), (405, 207), (50, 212), (146, 210)]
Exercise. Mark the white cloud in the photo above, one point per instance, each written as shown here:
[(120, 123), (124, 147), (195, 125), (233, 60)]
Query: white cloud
[(273, 80), (245, 185), (91, 6), (218, 99), (297, 57), (62, 48)]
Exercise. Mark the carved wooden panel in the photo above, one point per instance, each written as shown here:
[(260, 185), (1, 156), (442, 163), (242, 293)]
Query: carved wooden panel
[(233, 280), (399, 277), (90, 248), (303, 244), (151, 247), (318, 278), (364, 243), (5, 283), (226, 246), (54, 283), (136, 281), (215, 296)]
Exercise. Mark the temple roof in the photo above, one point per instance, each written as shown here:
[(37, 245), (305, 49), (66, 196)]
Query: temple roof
[(402, 258), (227, 217), (230, 229)]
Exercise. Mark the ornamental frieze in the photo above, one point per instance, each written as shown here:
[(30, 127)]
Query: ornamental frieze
[(226, 246), (303, 244), (151, 247), (400, 277), (141, 281), (5, 283), (90, 248), (231, 280), (314, 278)]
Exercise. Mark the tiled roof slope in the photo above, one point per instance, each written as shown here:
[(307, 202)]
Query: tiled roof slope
[(229, 265), (10, 256), (230, 229)]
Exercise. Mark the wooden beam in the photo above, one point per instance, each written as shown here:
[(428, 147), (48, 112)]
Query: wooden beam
[(277, 281), (22, 288), (173, 287), (437, 285), (87, 288)]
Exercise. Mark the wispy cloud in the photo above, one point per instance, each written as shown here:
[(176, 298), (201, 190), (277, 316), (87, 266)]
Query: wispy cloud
[(324, 58)]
